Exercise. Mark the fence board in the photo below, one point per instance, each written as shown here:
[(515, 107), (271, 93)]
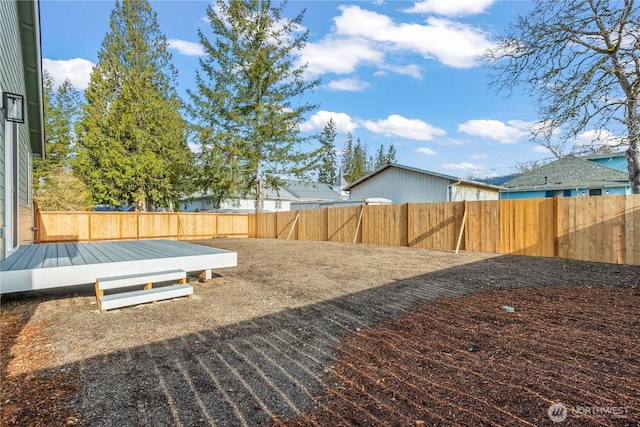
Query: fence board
[(482, 231), (342, 224), (286, 223), (435, 225), (385, 225), (632, 217), (312, 225), (102, 226)]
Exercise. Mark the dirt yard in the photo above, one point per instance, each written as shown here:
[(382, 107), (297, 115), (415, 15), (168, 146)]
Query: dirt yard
[(316, 333)]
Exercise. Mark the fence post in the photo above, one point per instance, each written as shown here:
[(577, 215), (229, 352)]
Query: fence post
[(408, 224), (464, 220), (556, 228), (90, 226), (36, 222), (295, 223), (355, 237)]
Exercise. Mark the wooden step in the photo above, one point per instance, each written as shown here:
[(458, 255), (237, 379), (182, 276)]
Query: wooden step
[(115, 282), (124, 299)]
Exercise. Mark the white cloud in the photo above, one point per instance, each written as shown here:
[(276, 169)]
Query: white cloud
[(464, 166), (496, 130), (396, 125), (77, 70), (185, 47), (349, 85), (361, 37), (425, 151), (597, 137), (453, 43), (411, 70), (339, 56), (477, 156), (343, 122), (450, 7)]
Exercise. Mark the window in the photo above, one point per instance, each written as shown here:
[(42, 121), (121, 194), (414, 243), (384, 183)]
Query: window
[(235, 203), (567, 193), (595, 191), (278, 204), (549, 194)]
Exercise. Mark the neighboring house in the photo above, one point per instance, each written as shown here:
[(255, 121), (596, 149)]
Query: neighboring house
[(617, 161), (403, 184), (567, 177), (274, 200), (21, 119)]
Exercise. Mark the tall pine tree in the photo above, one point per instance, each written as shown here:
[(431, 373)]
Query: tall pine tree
[(247, 107), (383, 157), (356, 162), (132, 142), (61, 109), (54, 186), (327, 169)]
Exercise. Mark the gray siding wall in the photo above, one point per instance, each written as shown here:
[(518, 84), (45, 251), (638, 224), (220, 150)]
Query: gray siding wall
[(403, 186), (12, 80)]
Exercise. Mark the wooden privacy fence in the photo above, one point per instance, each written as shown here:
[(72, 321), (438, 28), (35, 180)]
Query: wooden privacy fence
[(599, 228), (102, 226)]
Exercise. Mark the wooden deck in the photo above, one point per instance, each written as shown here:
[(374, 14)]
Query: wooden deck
[(52, 265)]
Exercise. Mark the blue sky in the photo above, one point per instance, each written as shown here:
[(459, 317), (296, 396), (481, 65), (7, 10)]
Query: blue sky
[(399, 72)]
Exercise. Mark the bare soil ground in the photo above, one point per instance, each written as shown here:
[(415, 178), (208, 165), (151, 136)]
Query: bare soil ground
[(316, 333)]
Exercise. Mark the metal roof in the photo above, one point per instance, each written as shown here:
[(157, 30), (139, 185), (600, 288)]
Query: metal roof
[(311, 190), (568, 172), (422, 171)]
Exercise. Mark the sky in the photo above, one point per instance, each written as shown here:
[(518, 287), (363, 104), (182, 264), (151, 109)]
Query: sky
[(401, 72)]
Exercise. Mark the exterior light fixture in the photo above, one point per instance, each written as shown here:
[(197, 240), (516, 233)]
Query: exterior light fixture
[(13, 106)]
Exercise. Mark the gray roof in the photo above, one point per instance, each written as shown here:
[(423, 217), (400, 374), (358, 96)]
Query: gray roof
[(422, 171), (568, 172), (292, 190), (310, 190)]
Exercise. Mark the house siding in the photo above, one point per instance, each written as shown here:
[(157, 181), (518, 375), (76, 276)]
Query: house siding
[(12, 80), (403, 186), (614, 162), (575, 192), (470, 192), (242, 205)]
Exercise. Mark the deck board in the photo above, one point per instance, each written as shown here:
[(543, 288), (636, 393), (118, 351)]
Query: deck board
[(50, 256), (53, 265), (64, 258), (21, 258), (37, 256), (87, 255)]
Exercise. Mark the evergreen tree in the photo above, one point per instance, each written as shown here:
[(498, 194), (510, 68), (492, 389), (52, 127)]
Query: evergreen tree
[(356, 162), (391, 154), (381, 157), (347, 158), (132, 142), (61, 109), (247, 109), (327, 171)]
